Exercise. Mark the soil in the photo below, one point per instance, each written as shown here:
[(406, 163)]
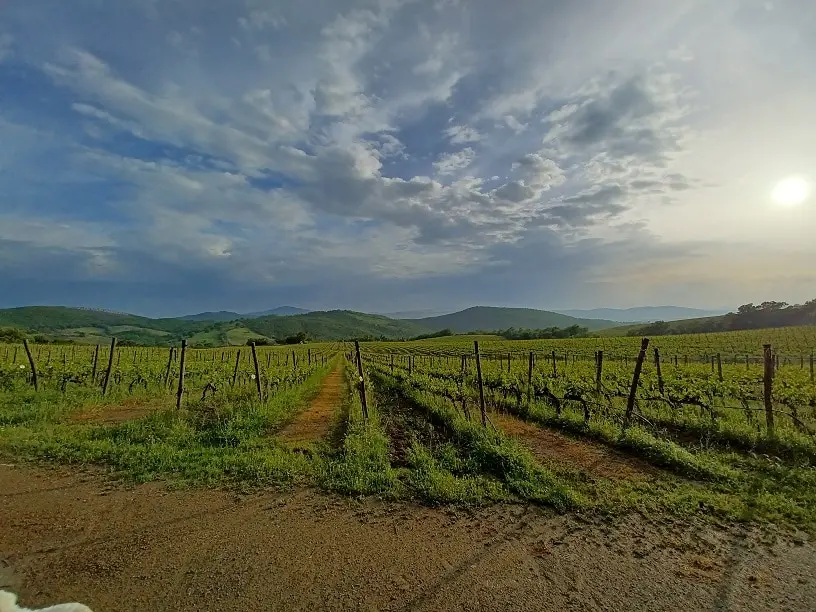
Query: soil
[(130, 409), (315, 423), (557, 450), (76, 537)]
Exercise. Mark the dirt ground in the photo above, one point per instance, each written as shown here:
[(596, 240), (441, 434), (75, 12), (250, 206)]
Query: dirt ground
[(67, 536), (553, 448), (315, 423)]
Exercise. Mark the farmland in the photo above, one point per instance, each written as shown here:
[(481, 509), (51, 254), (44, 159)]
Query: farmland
[(696, 437)]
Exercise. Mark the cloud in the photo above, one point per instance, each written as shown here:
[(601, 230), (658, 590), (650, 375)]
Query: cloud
[(451, 163), (369, 143), (461, 134)]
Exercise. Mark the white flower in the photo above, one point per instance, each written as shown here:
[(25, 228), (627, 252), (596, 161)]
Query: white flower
[(361, 379), (22, 366), (252, 376)]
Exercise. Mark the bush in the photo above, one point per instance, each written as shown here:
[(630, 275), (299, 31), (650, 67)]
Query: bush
[(11, 335)]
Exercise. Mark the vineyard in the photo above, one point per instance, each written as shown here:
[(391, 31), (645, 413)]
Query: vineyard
[(720, 424)]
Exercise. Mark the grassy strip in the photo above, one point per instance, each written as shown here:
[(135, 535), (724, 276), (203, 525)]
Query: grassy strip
[(361, 467), (635, 440), (222, 439), (489, 452)]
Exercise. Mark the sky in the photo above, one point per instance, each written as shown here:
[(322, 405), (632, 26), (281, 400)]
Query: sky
[(172, 156)]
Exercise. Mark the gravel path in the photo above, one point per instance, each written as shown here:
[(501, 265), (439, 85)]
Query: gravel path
[(76, 537)]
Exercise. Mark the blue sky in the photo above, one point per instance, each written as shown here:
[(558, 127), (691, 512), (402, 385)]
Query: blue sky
[(170, 156)]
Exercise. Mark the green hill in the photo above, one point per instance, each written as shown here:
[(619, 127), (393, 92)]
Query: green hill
[(97, 326), (334, 325), (56, 318), (488, 318), (221, 315)]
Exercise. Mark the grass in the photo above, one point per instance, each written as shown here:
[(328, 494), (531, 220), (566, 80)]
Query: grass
[(414, 445), (222, 439)]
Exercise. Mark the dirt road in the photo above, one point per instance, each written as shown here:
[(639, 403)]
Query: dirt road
[(75, 537)]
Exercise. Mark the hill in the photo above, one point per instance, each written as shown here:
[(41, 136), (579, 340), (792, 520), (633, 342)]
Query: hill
[(228, 315), (280, 311), (97, 326), (334, 325), (748, 316), (221, 315), (644, 314), (490, 318)]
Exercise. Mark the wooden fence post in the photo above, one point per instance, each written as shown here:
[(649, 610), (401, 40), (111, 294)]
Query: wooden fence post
[(598, 370), (95, 363), (530, 378), (659, 371), (235, 369), (294, 361), (180, 392), (555, 368), (257, 372), (630, 404), (719, 367), (110, 367), (392, 363), (767, 383), (363, 401), (34, 380), (481, 384)]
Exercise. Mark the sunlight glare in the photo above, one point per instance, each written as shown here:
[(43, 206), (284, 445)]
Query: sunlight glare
[(790, 191)]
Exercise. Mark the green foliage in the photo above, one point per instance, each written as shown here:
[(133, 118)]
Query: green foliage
[(11, 335)]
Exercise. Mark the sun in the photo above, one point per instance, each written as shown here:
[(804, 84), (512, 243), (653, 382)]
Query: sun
[(790, 191)]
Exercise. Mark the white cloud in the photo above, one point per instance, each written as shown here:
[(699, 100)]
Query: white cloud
[(461, 134), (451, 163)]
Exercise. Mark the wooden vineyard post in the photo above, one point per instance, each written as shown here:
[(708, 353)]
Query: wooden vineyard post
[(659, 371), (530, 378), (555, 368), (598, 370), (410, 364), (309, 356), (712, 363), (235, 370), (257, 372), (167, 369), (34, 380), (630, 403), (719, 368), (180, 392), (268, 359), (110, 367), (392, 363), (508, 362), (767, 383), (95, 364), (481, 384), (362, 380), (294, 361)]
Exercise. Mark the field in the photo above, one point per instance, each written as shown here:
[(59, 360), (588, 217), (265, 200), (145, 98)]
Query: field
[(720, 439), (559, 423)]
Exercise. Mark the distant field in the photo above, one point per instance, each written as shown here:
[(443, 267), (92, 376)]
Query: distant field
[(793, 343)]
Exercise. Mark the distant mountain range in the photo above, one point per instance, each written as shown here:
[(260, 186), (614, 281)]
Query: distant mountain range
[(227, 327), (644, 314), (491, 318), (227, 315)]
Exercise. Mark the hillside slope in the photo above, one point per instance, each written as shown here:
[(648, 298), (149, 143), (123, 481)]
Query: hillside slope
[(490, 318), (334, 325)]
